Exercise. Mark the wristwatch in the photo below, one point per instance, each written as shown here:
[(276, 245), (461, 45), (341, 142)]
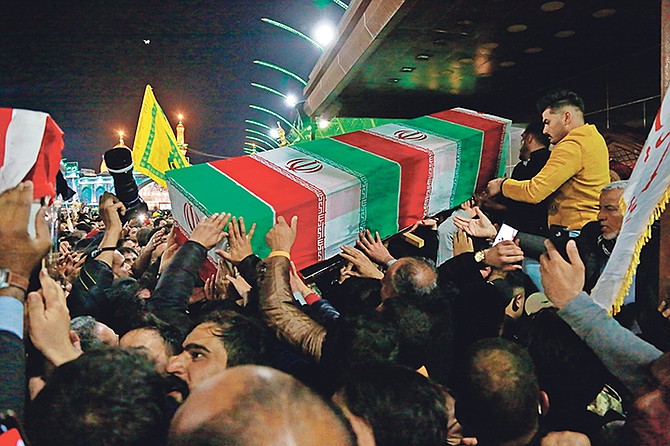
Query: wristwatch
[(97, 251), (8, 278), (480, 256)]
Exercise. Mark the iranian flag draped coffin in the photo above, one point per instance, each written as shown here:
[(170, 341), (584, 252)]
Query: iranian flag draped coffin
[(384, 178)]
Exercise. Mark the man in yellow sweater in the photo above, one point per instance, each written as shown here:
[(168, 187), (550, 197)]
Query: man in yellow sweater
[(576, 171)]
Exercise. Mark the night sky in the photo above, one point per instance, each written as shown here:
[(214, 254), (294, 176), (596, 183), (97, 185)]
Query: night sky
[(87, 65)]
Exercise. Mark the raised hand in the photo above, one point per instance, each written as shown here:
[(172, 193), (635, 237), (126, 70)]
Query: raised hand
[(505, 256), (239, 242), (210, 231), (19, 252), (363, 266), (169, 252), (282, 235), (373, 247), (562, 281), (111, 209), (462, 243), (49, 322), (494, 187), (476, 227)]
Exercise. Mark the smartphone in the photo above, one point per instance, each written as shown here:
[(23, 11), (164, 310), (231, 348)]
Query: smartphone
[(506, 232), (559, 236), (10, 430)]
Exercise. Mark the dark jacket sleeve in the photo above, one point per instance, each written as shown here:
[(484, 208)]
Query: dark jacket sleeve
[(89, 290), (169, 301), (247, 268), (12, 373), (324, 312), (460, 270)]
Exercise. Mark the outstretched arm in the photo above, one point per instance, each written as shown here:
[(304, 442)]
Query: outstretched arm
[(624, 354), (19, 254), (276, 299)]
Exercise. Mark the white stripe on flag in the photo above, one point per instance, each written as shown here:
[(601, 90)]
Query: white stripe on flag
[(22, 145), (343, 192), (445, 152), (187, 212)]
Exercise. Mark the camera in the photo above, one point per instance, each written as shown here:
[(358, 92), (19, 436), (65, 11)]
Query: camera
[(119, 161)]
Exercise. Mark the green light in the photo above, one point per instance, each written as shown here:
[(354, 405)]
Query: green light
[(256, 132), (253, 138), (270, 90), (281, 70), (292, 31), (255, 146), (276, 115), (259, 124)]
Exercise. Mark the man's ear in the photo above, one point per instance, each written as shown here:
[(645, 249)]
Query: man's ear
[(74, 339), (567, 117), (543, 408)]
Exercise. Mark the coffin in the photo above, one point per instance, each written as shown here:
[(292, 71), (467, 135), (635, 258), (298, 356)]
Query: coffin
[(384, 178)]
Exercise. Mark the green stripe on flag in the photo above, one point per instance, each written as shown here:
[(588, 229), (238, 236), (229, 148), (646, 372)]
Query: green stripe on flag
[(383, 177), (469, 154), (205, 186)]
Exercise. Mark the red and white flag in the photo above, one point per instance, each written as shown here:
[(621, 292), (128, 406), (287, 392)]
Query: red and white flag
[(30, 149)]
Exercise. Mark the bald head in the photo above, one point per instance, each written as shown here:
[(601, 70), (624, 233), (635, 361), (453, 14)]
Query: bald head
[(409, 276), (256, 405)]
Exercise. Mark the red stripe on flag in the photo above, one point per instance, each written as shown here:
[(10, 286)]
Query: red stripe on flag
[(414, 172), (43, 174), (5, 119), (493, 139), (208, 268), (285, 196)]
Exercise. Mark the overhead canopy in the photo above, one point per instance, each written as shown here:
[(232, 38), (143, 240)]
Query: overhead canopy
[(397, 58)]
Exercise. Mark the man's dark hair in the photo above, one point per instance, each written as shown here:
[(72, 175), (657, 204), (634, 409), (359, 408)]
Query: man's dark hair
[(107, 396), (424, 328), (415, 276), (246, 340), (499, 395), (83, 226), (125, 250), (568, 370), (352, 343), (172, 337), (402, 406), (143, 235), (123, 309), (536, 130), (560, 98), (84, 326), (85, 244)]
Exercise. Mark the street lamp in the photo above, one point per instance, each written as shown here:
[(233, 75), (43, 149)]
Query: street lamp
[(325, 34)]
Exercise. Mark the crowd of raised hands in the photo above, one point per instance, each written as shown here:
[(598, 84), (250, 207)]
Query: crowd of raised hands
[(163, 264)]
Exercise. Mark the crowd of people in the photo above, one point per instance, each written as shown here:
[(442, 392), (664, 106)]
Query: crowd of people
[(467, 340)]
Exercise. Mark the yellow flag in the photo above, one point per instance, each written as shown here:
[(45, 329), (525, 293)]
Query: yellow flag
[(155, 148)]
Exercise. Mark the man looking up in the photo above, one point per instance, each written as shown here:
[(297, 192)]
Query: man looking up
[(577, 169), (221, 340)]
